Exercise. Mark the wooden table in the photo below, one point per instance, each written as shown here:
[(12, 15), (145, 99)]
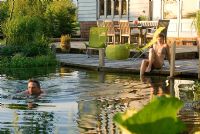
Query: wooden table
[(140, 28)]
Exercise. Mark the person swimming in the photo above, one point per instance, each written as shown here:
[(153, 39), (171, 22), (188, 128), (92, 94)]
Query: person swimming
[(33, 88)]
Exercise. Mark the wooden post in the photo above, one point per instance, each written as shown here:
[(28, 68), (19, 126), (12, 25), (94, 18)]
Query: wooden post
[(172, 59), (171, 85), (101, 57)]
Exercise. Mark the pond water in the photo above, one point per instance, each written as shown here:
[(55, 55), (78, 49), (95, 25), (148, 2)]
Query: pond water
[(80, 101)]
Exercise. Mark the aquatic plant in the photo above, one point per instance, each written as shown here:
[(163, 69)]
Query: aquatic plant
[(20, 61), (157, 117)]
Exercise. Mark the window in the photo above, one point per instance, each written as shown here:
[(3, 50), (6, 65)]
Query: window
[(170, 7), (116, 7), (124, 8), (112, 8), (108, 7), (189, 7), (101, 7)]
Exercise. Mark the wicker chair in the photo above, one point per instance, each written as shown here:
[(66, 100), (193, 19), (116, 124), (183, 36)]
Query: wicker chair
[(111, 31), (161, 23), (125, 31)]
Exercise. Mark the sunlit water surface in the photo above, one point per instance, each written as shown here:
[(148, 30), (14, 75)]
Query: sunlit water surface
[(79, 101)]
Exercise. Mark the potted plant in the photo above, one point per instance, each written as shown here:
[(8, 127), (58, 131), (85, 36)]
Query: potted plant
[(65, 43), (142, 18), (197, 23)]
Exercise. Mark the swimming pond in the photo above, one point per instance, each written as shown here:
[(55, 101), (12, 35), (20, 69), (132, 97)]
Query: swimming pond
[(80, 101)]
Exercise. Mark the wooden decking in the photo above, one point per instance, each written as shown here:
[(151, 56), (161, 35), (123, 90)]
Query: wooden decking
[(187, 67)]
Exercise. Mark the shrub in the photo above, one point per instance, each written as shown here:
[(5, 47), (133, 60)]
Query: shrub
[(7, 51), (58, 17), (61, 17), (20, 61), (22, 30), (28, 8), (4, 12)]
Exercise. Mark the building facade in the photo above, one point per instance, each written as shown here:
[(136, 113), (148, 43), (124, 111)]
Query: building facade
[(177, 11)]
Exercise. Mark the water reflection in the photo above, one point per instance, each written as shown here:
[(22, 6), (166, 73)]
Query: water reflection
[(159, 86)]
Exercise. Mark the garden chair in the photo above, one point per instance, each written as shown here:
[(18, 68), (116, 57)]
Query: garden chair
[(111, 31), (100, 23), (125, 31), (97, 39), (144, 49), (161, 23)]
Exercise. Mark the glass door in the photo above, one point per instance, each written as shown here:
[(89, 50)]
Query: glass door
[(179, 12)]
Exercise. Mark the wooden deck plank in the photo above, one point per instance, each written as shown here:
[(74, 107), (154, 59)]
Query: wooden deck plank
[(184, 67)]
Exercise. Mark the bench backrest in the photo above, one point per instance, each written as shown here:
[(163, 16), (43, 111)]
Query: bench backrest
[(148, 23)]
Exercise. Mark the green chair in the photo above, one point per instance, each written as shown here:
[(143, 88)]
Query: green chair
[(97, 38)]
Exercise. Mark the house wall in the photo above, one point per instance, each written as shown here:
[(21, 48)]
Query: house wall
[(87, 13), (87, 10)]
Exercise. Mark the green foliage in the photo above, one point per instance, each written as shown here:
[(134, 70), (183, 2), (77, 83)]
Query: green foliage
[(4, 12), (142, 18), (197, 21), (2, 42), (7, 51), (20, 61), (117, 52), (157, 117), (28, 8), (197, 91), (23, 30), (60, 17)]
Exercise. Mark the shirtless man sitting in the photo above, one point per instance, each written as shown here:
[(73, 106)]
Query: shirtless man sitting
[(157, 55)]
